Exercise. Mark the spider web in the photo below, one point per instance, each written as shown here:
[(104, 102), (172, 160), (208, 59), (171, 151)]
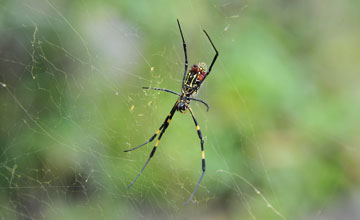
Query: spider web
[(71, 102)]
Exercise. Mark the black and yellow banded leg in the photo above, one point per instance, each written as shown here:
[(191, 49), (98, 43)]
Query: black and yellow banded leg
[(160, 89), (156, 133), (185, 53), (162, 129), (202, 155)]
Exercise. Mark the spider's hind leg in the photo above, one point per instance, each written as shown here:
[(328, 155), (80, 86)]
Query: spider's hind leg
[(185, 53)]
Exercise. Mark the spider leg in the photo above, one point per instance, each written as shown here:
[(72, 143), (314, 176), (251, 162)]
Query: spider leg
[(203, 102), (186, 60), (151, 139), (202, 155), (162, 128), (216, 54), (164, 90), (157, 132)]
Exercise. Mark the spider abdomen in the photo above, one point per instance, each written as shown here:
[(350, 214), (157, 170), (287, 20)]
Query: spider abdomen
[(194, 78), (201, 76)]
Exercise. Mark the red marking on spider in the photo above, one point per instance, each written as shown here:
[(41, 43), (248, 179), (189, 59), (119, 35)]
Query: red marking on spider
[(201, 76)]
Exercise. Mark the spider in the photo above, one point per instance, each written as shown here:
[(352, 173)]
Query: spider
[(191, 83)]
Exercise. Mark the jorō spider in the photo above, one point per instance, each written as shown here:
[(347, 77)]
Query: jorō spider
[(191, 83)]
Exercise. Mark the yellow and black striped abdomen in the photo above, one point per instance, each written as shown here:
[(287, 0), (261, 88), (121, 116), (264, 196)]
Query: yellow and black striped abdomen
[(194, 78)]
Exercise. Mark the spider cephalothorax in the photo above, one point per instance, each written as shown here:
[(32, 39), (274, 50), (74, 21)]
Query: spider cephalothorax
[(191, 83), (182, 103)]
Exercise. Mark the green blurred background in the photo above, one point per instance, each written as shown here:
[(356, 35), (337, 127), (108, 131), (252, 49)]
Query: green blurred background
[(281, 136)]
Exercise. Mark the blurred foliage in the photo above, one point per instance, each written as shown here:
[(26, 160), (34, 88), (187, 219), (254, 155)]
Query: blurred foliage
[(281, 136)]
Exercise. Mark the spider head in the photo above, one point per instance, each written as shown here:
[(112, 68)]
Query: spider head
[(182, 105)]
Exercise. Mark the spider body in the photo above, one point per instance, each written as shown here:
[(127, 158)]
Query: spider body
[(194, 79), (182, 103), (191, 83)]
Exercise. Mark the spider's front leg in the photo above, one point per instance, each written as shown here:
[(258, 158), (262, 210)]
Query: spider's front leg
[(158, 131), (162, 129), (202, 155)]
